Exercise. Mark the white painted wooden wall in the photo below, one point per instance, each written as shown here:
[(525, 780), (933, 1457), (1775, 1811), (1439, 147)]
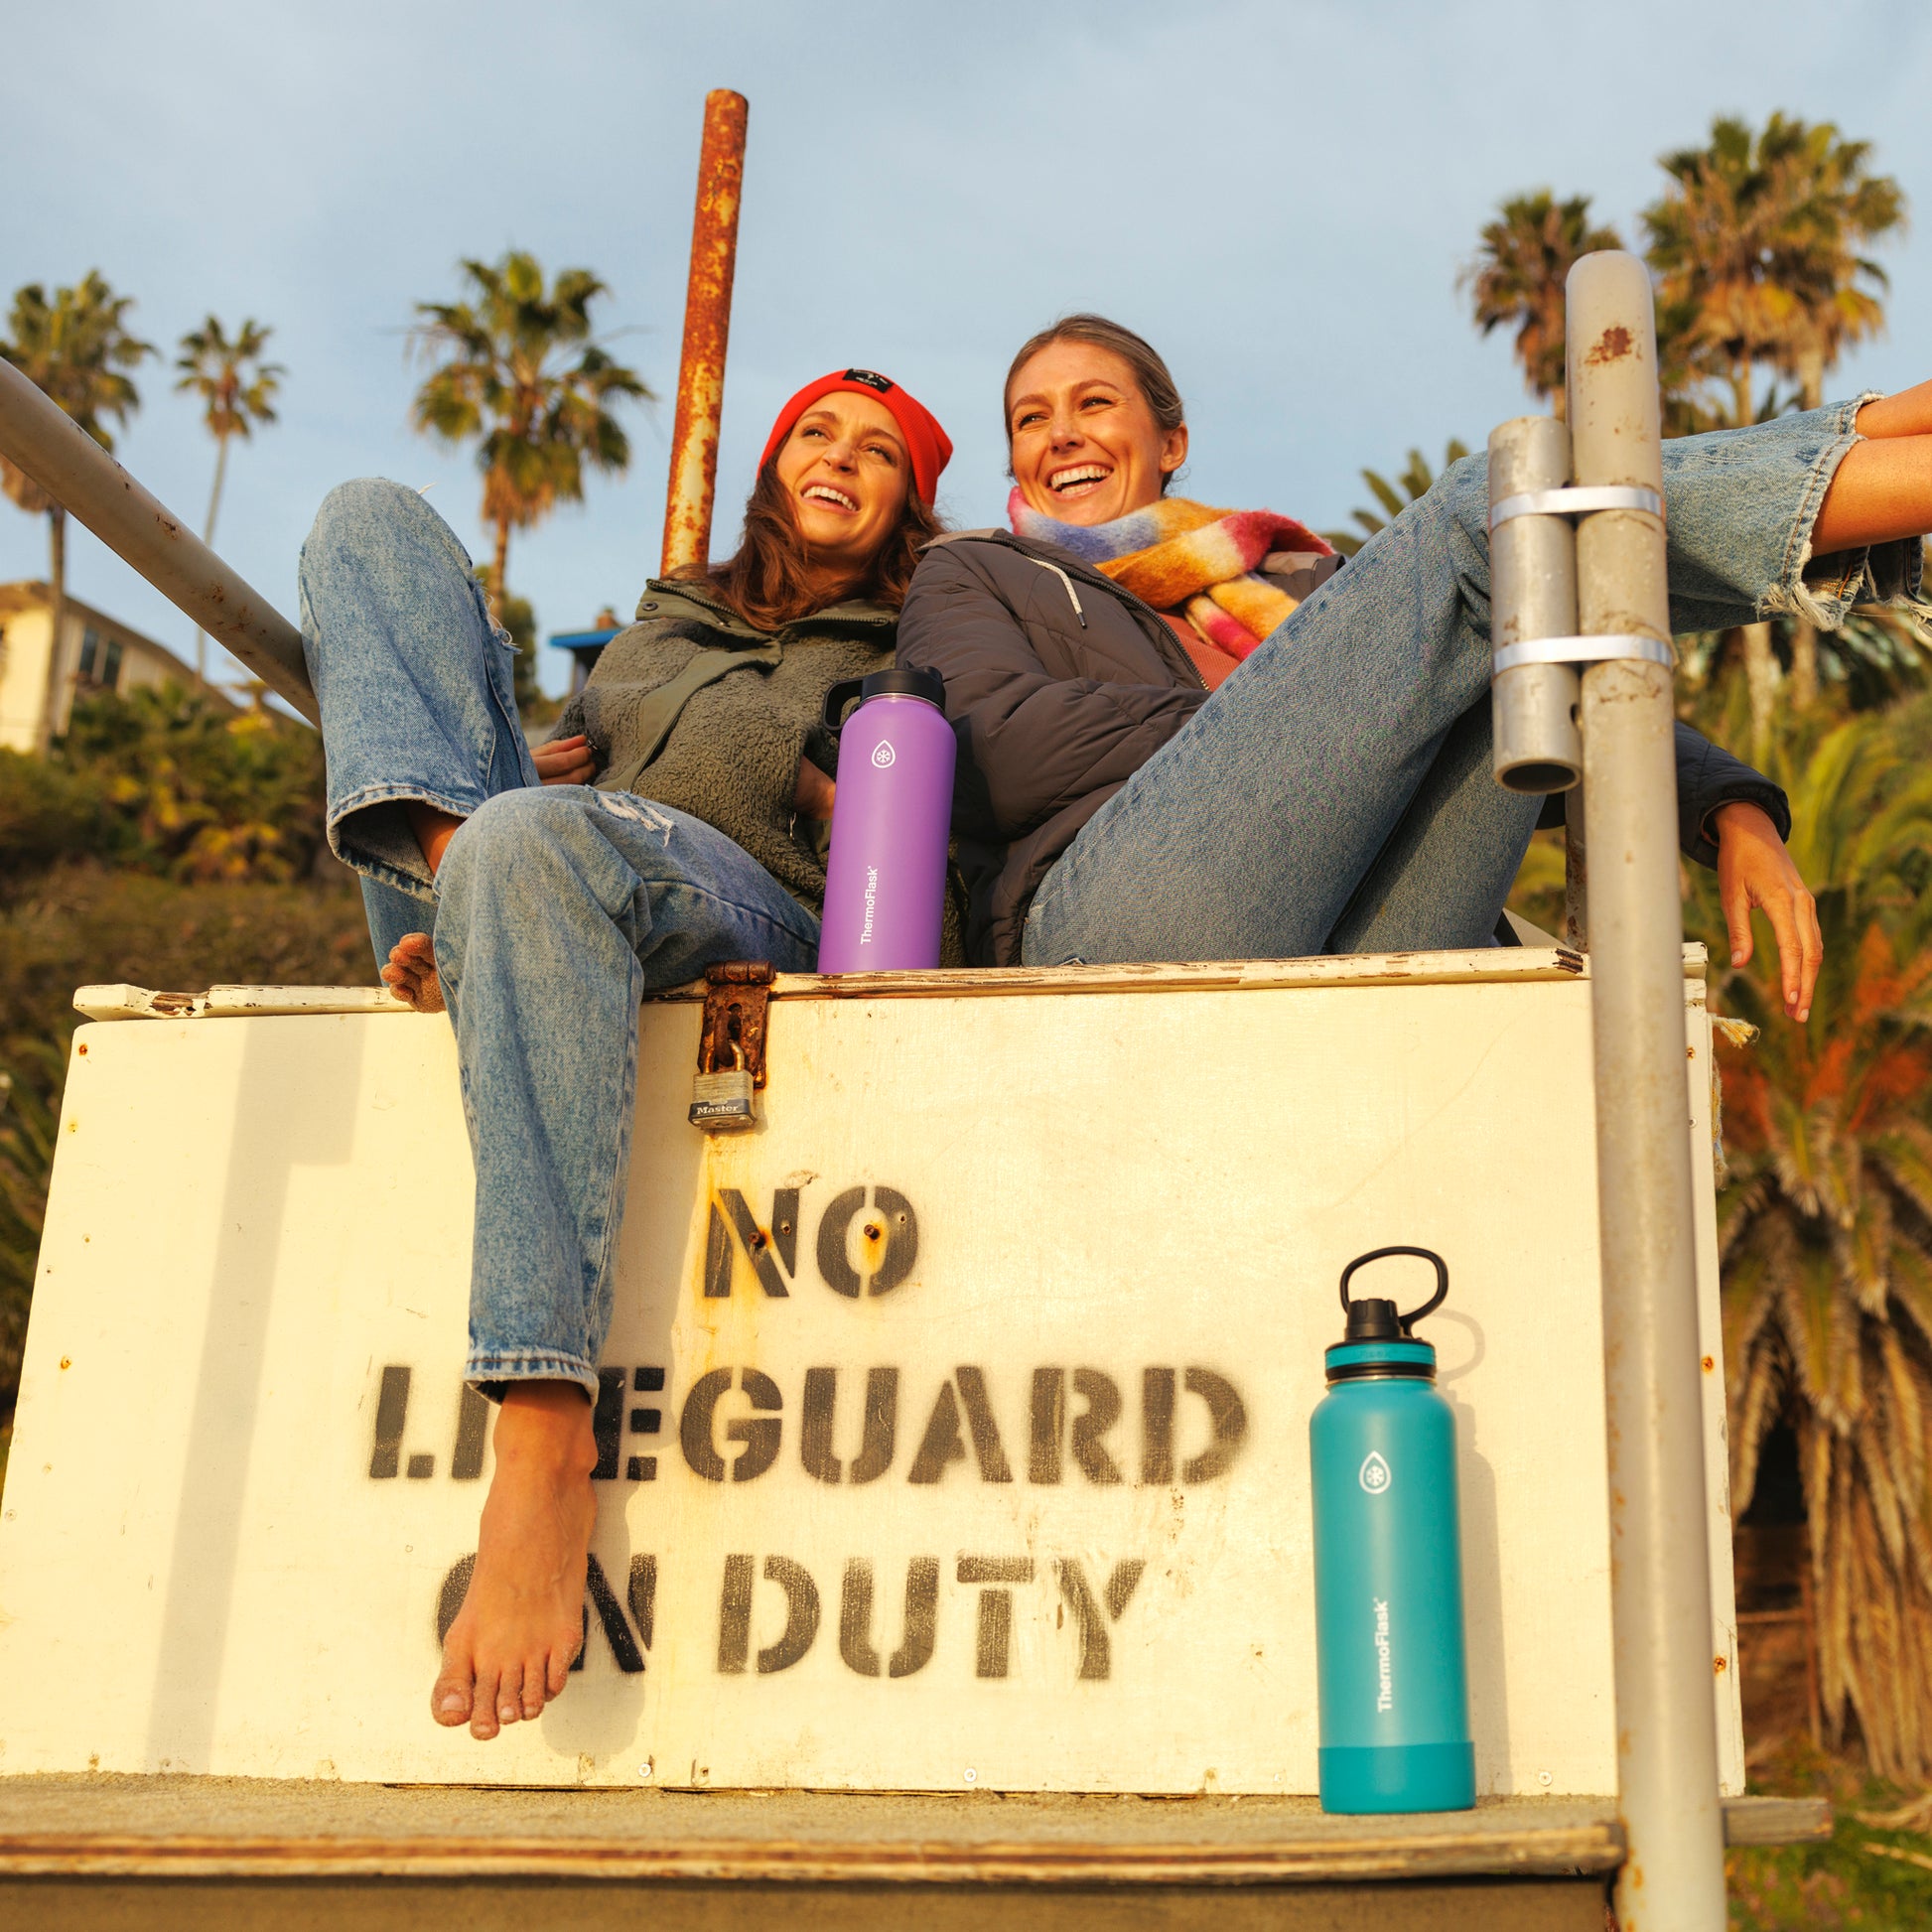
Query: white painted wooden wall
[(221, 1550)]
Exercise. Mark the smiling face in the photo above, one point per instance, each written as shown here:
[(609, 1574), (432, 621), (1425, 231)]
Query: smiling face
[(844, 472), (1085, 445)]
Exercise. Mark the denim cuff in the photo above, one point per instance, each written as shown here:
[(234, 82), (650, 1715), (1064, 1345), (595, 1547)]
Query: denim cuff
[(1823, 590), (371, 834), (492, 1371)]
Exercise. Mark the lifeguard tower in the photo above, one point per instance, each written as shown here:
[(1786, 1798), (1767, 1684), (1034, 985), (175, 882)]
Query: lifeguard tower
[(955, 1548)]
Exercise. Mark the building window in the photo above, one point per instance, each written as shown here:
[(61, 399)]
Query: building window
[(90, 651), (110, 671)]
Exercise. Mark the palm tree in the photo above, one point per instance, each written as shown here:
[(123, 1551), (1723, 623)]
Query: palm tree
[(1826, 1224), (238, 388), (1412, 484), (1759, 251), (1761, 235), (1518, 275), (75, 348), (540, 422)]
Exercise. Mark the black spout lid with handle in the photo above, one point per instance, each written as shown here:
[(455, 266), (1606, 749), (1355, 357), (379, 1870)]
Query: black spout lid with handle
[(1378, 1340), (901, 681)]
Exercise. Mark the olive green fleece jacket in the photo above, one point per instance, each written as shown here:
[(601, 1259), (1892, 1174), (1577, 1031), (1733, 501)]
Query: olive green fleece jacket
[(732, 758)]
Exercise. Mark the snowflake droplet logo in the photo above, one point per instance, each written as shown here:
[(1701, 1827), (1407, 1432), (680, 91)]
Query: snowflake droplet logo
[(882, 753), (1375, 1476)]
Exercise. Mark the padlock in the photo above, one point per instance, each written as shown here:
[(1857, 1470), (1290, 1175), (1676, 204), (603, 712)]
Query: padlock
[(721, 1103)]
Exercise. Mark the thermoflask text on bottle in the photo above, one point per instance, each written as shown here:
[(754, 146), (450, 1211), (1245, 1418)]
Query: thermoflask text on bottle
[(886, 881), (1388, 1568)]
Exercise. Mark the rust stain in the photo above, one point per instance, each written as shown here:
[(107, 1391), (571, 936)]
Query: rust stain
[(1612, 346), (732, 1032), (1721, 1664), (1708, 1364), (707, 329)]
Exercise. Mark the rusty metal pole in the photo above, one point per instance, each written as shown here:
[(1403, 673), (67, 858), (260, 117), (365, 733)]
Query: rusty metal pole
[(72, 468), (1673, 1875), (707, 326)]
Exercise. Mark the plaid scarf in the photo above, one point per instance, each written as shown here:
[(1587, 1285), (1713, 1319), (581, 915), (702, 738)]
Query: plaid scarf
[(1184, 557)]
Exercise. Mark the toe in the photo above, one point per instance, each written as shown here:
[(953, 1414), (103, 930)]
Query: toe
[(509, 1695), (449, 1702), (484, 1721), (535, 1682)]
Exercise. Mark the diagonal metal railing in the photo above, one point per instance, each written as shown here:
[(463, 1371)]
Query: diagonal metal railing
[(66, 463)]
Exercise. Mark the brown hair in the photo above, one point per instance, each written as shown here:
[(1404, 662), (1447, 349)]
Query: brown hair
[(768, 581), (1151, 375)]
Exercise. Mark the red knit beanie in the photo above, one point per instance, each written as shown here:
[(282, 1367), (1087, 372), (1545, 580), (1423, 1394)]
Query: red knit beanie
[(929, 447)]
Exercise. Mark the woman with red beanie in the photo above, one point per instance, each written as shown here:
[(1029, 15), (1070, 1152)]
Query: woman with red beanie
[(677, 817)]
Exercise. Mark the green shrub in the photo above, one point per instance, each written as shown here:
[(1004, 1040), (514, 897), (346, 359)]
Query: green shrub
[(157, 780), (78, 924), (46, 813)]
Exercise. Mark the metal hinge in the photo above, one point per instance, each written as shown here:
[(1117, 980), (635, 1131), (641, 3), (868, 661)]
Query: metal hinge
[(731, 1044)]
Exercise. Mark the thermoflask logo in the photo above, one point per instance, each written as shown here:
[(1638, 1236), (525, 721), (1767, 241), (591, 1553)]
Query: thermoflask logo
[(883, 755), (1375, 1476)]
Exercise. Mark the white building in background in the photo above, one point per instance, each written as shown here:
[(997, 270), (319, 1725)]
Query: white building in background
[(97, 653)]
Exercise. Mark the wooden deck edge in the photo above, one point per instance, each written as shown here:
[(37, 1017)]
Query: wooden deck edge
[(1777, 1820), (1481, 966), (1444, 1851), (1532, 1853)]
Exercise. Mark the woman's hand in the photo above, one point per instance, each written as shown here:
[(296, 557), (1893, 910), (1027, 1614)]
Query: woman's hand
[(565, 762), (814, 792), (411, 973), (1754, 868)]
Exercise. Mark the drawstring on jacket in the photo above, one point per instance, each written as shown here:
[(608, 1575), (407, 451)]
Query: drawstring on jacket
[(1072, 594)]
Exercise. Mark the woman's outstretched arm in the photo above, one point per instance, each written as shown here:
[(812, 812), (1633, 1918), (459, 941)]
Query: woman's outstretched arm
[(1882, 490)]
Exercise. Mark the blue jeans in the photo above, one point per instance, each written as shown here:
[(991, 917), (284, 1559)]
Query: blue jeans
[(1334, 794), (555, 909)]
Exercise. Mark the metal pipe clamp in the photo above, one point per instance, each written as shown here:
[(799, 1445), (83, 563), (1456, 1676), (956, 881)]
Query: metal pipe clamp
[(1582, 650), (1577, 499)]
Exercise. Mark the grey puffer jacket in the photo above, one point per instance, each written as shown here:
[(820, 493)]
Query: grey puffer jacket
[(1060, 685), (731, 754)]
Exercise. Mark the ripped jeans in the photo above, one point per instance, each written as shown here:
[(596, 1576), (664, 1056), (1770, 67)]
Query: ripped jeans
[(1334, 794), (555, 909)]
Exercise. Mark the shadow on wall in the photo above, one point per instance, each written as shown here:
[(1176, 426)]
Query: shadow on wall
[(271, 1139), (1483, 1562)]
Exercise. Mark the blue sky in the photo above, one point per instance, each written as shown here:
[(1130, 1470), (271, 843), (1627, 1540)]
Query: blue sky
[(1278, 196)]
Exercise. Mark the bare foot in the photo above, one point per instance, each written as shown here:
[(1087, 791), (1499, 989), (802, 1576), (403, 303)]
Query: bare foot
[(411, 973), (521, 1624)]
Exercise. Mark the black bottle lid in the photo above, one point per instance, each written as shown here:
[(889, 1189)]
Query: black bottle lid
[(1373, 1320), (901, 681)]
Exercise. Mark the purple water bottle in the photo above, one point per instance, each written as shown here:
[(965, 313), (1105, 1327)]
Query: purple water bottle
[(886, 881)]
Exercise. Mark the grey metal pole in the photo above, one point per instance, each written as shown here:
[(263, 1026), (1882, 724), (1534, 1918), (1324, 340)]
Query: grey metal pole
[(77, 472), (1533, 594), (1673, 1877)]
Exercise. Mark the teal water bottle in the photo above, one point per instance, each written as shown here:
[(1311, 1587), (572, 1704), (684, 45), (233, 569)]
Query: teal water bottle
[(1388, 1568)]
